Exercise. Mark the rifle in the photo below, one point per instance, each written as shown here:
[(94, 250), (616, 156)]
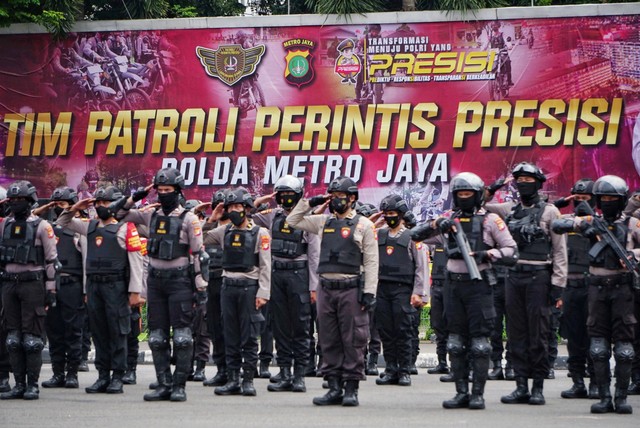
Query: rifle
[(465, 249), (606, 238)]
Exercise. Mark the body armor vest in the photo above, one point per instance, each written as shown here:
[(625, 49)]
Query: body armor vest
[(164, 237), (104, 253), (18, 243), (395, 263), (339, 252), (285, 241), (578, 253), (240, 249), (472, 227), (215, 256), (68, 255), (439, 267), (606, 257), (524, 225)]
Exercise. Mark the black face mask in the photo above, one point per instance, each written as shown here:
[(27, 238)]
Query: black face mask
[(104, 213), (339, 205), (466, 205), (528, 191), (58, 210), (20, 209), (392, 221), (288, 202), (610, 209), (237, 217), (169, 201)]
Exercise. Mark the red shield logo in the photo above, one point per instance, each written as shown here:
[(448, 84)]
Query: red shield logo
[(99, 240), (389, 250), (345, 232)]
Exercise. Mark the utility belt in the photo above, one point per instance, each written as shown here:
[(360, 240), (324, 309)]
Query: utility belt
[(294, 265), (22, 276), (396, 284), (529, 268), (577, 282), (240, 282), (69, 279), (98, 277), (340, 284), (487, 275), (610, 280), (172, 273)]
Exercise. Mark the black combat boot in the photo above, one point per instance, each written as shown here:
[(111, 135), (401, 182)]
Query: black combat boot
[(404, 379), (620, 402), (577, 390), (520, 395), (496, 372), (83, 366), (605, 405), (4, 382), (264, 372), (286, 381), (248, 390), (71, 380), (413, 370), (537, 399), (350, 398), (441, 368), (100, 385), (298, 379), (593, 390), (56, 381), (476, 402), (389, 377), (461, 399), (634, 387), (17, 392), (32, 392), (163, 390), (447, 378), (509, 373), (219, 379), (177, 390), (232, 387), (371, 368), (333, 396), (198, 375), (130, 377), (116, 385)]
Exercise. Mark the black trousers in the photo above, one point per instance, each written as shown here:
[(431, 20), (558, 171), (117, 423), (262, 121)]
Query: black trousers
[(23, 306), (214, 320), (291, 314), (610, 311), (573, 325), (394, 315), (133, 345), (242, 324), (437, 317), (64, 326), (499, 303), (201, 338)]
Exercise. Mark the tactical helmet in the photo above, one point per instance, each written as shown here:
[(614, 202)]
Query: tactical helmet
[(409, 219), (288, 183), (168, 177), (219, 197), (611, 185), (239, 196), (110, 193), (343, 184), (365, 209), (394, 203), (530, 170), (584, 186), (191, 204), (22, 189), (467, 181), (65, 193)]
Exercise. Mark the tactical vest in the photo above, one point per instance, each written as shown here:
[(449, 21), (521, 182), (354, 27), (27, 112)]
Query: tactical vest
[(240, 249), (439, 266), (68, 255), (215, 256), (524, 225), (104, 253), (606, 257), (339, 252), (164, 237), (472, 227), (395, 263), (285, 241), (18, 243), (578, 253)]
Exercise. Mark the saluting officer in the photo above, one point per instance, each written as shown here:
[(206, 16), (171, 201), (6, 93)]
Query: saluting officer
[(348, 271), (28, 255)]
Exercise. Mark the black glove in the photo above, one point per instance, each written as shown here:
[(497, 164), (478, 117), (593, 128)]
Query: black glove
[(587, 230), (561, 203), (368, 301), (201, 297), (317, 201), (444, 224), (495, 186), (139, 194), (555, 293), (482, 256), (51, 300)]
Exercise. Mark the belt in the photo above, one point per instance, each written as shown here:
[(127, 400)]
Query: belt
[(97, 277), (173, 273), (340, 284), (395, 283), (236, 282), (69, 279), (610, 280), (297, 264), (577, 282), (462, 277), (530, 268), (23, 276)]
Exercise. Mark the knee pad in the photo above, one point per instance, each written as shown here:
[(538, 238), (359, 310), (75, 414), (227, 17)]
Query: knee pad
[(13, 342), (32, 344), (480, 347), (600, 349), (158, 340), (182, 338), (455, 345), (623, 352)]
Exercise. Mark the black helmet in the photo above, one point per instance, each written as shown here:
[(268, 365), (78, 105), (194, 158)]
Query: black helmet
[(467, 181), (409, 219), (168, 177), (343, 184), (110, 193), (288, 183), (239, 196), (22, 189), (530, 170), (394, 203), (65, 193), (584, 186), (219, 197), (365, 209), (611, 185), (191, 204)]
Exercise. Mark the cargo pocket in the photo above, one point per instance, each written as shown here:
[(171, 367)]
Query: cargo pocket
[(257, 322), (38, 321), (124, 320), (305, 306), (489, 313), (361, 331), (186, 314)]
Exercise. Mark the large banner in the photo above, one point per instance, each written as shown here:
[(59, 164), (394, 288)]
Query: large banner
[(400, 108)]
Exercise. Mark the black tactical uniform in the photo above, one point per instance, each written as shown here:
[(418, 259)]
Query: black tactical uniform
[(5, 367), (497, 345), (437, 315)]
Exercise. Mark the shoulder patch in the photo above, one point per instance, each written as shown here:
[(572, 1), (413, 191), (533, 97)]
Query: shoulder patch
[(132, 238), (49, 230), (265, 242), (500, 223), (143, 246), (197, 227), (418, 245)]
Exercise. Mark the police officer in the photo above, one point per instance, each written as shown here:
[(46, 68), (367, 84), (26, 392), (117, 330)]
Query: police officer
[(246, 286), (534, 284), (469, 303), (113, 267), (64, 321), (5, 367), (294, 282), (174, 245), (28, 256), (610, 320), (400, 290), (348, 271)]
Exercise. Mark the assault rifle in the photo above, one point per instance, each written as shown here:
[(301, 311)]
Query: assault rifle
[(465, 249)]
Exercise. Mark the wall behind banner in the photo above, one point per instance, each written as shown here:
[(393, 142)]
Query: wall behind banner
[(401, 106)]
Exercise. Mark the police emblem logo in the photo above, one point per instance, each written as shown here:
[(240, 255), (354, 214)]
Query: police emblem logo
[(389, 250), (17, 230), (345, 232), (99, 240), (162, 225), (230, 63), (299, 69), (236, 238)]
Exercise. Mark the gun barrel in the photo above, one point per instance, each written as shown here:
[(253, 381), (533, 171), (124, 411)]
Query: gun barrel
[(465, 249)]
